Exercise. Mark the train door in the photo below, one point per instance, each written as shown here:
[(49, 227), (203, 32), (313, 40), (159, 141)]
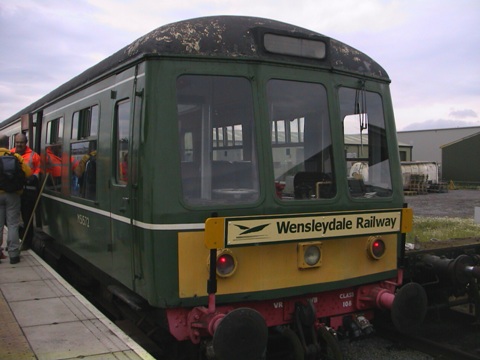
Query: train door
[(126, 115)]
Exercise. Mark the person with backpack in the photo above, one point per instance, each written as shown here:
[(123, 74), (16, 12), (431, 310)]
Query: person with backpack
[(30, 192), (13, 172)]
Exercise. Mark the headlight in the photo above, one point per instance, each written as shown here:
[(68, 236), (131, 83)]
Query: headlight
[(309, 255), (312, 255)]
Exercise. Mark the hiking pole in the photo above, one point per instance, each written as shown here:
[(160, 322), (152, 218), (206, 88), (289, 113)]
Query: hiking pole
[(33, 211)]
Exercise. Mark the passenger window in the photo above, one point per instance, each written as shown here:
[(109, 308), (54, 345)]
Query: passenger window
[(83, 153), (301, 141), (84, 169), (85, 123), (54, 154)]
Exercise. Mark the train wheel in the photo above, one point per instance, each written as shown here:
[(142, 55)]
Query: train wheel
[(330, 348), (285, 345), (242, 334)]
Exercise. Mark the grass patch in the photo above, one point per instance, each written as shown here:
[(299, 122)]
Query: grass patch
[(442, 228)]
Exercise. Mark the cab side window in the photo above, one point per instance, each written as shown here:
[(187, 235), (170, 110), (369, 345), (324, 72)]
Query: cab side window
[(366, 144), (122, 130)]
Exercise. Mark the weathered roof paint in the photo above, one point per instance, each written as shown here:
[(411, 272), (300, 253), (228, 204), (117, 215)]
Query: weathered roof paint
[(223, 37)]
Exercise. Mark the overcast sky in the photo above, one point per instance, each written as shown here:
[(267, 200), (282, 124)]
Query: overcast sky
[(429, 48)]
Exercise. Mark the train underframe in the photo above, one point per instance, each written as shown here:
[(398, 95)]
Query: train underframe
[(304, 327)]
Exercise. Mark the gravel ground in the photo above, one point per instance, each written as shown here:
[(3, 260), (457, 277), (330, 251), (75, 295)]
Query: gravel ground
[(379, 349), (455, 203)]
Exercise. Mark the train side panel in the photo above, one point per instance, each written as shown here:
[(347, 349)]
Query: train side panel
[(94, 220)]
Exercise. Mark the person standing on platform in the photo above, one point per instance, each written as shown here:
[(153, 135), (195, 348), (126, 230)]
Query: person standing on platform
[(30, 192), (2, 255), (12, 181)]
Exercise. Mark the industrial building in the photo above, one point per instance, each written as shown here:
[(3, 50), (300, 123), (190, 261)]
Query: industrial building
[(426, 144), (356, 147), (450, 148), (460, 160)]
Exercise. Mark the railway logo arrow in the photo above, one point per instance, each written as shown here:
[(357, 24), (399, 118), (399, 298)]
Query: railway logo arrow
[(248, 230)]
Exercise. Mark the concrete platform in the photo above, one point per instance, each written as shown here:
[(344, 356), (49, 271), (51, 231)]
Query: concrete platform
[(43, 317)]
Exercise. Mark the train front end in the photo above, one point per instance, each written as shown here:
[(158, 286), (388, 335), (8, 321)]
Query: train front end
[(292, 243), (301, 278)]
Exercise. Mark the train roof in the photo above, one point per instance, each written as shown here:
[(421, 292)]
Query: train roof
[(238, 37)]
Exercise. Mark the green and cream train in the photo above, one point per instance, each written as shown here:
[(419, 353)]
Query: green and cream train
[(202, 173)]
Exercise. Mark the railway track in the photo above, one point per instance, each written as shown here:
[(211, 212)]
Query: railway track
[(445, 334)]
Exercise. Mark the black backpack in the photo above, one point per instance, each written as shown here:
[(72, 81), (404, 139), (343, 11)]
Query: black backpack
[(12, 177)]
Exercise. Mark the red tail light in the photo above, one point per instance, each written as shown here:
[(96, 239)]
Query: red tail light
[(376, 248), (226, 263)]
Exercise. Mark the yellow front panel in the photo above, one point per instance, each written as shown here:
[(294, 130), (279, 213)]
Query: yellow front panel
[(269, 267)]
